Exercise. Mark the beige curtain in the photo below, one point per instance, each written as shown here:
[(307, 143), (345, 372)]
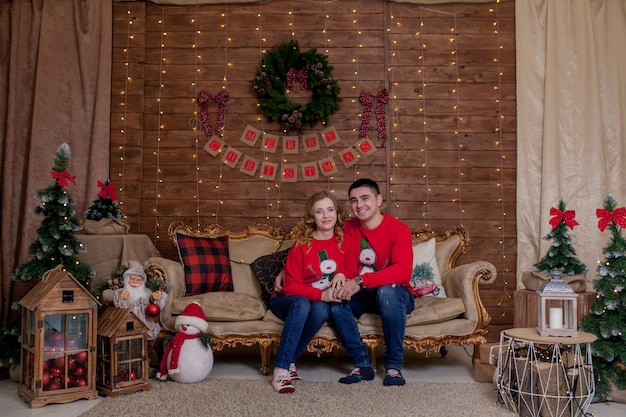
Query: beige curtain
[(55, 76), (571, 132)]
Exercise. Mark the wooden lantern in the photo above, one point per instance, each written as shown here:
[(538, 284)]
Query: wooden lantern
[(122, 353), (557, 304), (59, 318)]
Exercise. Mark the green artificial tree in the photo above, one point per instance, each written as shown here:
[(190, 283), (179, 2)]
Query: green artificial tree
[(56, 243), (607, 315), (106, 205), (561, 255)]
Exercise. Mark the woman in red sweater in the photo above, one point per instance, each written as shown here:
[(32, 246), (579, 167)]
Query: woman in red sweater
[(315, 266)]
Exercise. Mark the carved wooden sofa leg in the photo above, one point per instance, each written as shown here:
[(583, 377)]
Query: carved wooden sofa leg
[(265, 346)]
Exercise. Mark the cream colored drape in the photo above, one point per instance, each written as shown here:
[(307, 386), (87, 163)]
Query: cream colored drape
[(55, 77), (571, 132)]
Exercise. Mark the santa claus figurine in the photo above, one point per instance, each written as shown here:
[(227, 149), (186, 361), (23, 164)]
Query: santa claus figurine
[(188, 357), (135, 295)]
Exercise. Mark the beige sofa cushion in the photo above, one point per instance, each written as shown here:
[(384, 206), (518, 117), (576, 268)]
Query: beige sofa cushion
[(223, 306), (428, 310)]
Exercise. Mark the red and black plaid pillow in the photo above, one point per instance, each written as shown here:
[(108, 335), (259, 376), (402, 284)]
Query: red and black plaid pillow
[(206, 263)]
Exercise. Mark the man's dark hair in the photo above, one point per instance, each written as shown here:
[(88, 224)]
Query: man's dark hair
[(365, 182)]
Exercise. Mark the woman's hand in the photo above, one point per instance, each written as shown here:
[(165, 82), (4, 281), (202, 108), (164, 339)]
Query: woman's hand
[(278, 281), (338, 281)]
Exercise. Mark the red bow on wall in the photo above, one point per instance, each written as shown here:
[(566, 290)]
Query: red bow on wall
[(567, 216), (367, 100), (108, 190), (62, 177), (204, 99), (606, 217)]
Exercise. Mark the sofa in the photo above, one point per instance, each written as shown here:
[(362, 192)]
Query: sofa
[(242, 266)]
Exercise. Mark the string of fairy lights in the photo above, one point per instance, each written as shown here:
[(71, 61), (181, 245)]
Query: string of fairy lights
[(505, 294), (355, 85), (196, 56), (160, 127), (273, 188)]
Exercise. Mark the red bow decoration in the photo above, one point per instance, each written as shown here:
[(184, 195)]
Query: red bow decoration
[(300, 76), (606, 217), (204, 99), (107, 190), (62, 177), (567, 216), (367, 100)]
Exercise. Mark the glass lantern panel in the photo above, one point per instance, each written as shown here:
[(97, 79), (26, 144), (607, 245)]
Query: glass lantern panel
[(29, 328), (123, 372), (136, 371), (54, 333), (135, 348), (123, 350), (77, 334)]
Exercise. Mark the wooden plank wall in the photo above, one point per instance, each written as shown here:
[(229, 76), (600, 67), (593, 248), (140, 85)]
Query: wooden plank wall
[(449, 157)]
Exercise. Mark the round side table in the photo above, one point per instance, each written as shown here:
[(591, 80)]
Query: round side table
[(545, 375)]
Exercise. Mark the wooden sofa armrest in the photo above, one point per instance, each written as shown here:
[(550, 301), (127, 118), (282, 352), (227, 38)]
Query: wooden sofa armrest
[(462, 281), (174, 276)]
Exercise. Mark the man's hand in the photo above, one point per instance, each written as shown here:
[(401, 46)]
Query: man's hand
[(156, 295), (125, 295), (329, 295), (278, 281), (347, 290)]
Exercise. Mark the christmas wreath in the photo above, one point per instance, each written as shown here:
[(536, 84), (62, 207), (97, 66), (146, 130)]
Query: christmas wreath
[(281, 69)]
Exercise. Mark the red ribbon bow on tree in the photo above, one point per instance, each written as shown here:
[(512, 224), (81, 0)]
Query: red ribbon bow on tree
[(567, 216), (62, 177), (606, 216), (107, 190)]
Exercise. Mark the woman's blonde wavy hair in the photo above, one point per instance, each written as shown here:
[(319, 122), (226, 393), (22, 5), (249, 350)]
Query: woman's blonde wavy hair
[(306, 226)]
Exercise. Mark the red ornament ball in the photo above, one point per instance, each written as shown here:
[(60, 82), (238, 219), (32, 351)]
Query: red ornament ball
[(45, 378), (81, 357), (152, 310)]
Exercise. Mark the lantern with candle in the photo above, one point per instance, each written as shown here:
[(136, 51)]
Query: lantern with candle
[(557, 305)]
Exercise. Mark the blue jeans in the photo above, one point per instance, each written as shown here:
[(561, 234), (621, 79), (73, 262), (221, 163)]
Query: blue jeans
[(392, 303), (303, 318)]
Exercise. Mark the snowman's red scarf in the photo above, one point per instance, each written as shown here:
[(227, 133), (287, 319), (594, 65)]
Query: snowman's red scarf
[(174, 346)]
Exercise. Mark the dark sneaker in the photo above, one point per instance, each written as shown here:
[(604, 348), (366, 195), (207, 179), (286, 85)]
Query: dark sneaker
[(357, 375), (293, 373), (393, 378), (282, 384)]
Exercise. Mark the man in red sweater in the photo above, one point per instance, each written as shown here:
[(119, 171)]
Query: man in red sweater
[(383, 246)]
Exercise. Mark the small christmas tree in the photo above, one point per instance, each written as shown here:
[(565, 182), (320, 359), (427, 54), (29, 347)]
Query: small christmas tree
[(56, 243), (607, 315), (106, 204), (561, 255)]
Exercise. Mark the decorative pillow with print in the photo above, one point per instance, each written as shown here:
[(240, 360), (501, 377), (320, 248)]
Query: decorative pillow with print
[(206, 262), (266, 268), (425, 277)]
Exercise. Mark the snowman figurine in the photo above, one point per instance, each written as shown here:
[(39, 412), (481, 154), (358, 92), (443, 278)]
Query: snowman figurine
[(186, 359)]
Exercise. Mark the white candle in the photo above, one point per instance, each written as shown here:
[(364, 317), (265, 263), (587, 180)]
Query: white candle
[(556, 318)]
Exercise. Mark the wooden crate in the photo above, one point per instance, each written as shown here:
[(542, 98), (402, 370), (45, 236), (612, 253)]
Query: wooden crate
[(526, 307)]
